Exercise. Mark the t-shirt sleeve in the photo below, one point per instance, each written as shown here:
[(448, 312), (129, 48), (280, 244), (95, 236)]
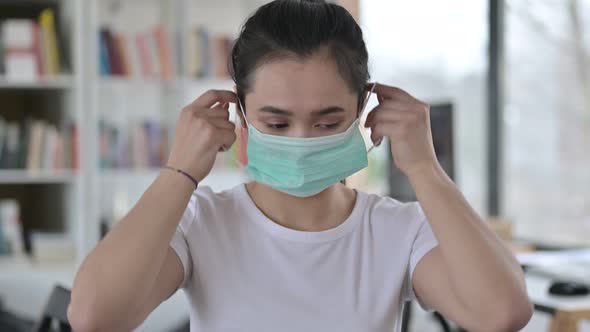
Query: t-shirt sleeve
[(179, 241), (424, 241)]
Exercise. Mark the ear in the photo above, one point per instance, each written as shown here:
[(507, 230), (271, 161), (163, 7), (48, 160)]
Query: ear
[(369, 87), (240, 112)]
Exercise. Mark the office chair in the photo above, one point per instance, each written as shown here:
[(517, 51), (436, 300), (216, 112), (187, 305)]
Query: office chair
[(55, 312)]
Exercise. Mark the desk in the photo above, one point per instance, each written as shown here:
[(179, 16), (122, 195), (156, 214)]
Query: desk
[(566, 311)]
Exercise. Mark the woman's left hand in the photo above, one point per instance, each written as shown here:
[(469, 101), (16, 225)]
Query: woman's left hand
[(405, 120)]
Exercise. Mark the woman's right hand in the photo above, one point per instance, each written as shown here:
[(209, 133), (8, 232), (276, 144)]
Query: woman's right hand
[(202, 130)]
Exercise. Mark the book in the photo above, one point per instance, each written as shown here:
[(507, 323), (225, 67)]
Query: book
[(221, 51), (18, 34), (52, 247), (20, 49), (205, 52), (3, 127), (12, 227), (10, 155), (153, 136), (50, 48), (75, 146), (35, 147), (192, 62), (154, 56), (59, 152), (48, 155), (122, 52), (140, 145), (105, 66), (21, 66), (164, 48), (145, 58)]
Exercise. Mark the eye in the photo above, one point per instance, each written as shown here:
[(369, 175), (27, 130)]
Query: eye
[(277, 126), (328, 125)]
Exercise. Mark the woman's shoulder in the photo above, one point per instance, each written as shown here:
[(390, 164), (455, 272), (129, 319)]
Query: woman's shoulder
[(384, 209), (205, 197)]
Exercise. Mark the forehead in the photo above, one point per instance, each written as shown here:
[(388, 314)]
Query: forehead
[(301, 84)]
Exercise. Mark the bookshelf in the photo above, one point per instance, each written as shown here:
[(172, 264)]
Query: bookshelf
[(75, 201), (39, 177), (42, 95), (64, 82)]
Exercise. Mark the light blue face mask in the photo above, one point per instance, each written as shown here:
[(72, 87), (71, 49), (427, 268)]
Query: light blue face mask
[(305, 166)]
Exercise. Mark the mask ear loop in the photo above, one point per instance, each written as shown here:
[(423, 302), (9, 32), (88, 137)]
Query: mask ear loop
[(236, 160), (242, 111), (363, 110)]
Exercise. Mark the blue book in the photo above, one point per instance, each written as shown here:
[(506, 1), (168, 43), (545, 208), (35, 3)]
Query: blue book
[(105, 66), (205, 56), (154, 138)]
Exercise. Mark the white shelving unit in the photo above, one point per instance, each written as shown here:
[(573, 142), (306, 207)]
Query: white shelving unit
[(89, 194), (55, 199), (37, 177), (64, 82)]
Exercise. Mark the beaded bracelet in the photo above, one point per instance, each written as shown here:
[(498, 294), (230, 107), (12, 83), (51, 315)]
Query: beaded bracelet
[(185, 174)]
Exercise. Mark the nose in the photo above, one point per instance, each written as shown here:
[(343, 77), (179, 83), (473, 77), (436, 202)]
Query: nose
[(300, 131)]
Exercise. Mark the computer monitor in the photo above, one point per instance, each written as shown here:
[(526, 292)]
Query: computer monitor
[(441, 121)]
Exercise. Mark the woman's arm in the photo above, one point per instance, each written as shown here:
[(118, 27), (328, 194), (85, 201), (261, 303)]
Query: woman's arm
[(133, 269), (471, 277), (120, 274)]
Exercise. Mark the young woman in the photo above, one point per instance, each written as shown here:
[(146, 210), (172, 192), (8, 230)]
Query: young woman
[(296, 250)]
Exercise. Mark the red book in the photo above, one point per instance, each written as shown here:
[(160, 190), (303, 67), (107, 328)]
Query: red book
[(164, 52), (121, 42), (37, 49), (113, 52), (144, 56)]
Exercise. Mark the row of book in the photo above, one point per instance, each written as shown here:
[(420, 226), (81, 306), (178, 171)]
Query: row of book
[(143, 144), (30, 49), (207, 55), (151, 55), (45, 246), (38, 145), (11, 231)]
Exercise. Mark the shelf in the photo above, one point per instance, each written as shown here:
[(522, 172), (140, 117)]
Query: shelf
[(14, 265), (136, 83), (36, 177), (115, 82), (47, 83), (128, 174), (219, 178)]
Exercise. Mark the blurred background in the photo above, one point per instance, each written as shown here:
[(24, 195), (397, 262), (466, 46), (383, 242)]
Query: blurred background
[(90, 91)]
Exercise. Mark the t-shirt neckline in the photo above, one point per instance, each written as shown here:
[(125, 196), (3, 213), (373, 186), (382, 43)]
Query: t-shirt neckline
[(256, 216)]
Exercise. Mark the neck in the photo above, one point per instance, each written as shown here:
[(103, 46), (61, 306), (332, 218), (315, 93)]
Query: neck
[(320, 212)]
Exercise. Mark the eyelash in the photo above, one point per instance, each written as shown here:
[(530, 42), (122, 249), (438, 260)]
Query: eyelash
[(279, 126)]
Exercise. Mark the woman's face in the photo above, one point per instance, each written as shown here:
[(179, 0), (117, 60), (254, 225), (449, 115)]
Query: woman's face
[(294, 98)]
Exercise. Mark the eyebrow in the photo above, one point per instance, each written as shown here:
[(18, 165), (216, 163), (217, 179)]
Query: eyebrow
[(325, 111)]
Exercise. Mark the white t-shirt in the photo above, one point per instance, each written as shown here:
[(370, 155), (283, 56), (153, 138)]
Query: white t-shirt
[(243, 272)]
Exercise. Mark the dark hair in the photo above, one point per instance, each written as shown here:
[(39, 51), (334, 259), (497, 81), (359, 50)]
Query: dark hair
[(298, 28)]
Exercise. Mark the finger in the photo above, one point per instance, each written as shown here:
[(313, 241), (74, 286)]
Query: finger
[(382, 114), (211, 97), (222, 123), (381, 130), (390, 92), (218, 112), (226, 139)]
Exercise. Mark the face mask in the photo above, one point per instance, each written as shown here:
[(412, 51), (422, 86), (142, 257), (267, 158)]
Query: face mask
[(304, 167)]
